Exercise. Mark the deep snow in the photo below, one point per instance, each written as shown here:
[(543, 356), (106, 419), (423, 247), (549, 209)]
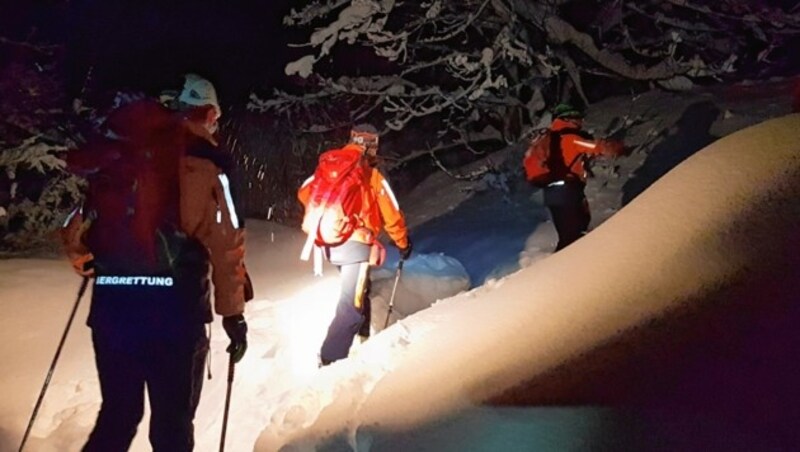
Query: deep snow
[(455, 355), (716, 234)]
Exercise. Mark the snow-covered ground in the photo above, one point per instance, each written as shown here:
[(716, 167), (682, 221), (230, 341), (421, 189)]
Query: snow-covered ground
[(427, 376), (716, 238)]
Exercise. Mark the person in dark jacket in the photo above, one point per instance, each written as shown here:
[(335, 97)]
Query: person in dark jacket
[(158, 216), (564, 197)]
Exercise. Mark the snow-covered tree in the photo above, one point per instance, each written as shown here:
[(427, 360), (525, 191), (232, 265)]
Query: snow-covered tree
[(30, 217), (466, 73), (36, 191)]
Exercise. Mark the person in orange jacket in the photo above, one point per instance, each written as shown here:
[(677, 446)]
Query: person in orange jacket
[(158, 216), (379, 211), (564, 197)]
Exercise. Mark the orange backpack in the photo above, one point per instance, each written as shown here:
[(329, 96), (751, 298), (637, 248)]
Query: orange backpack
[(336, 197), (544, 162)]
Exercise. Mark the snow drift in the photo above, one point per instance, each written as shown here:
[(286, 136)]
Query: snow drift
[(711, 250), (426, 278)]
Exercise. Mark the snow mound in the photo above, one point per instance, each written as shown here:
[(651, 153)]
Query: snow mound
[(425, 279), (717, 231)]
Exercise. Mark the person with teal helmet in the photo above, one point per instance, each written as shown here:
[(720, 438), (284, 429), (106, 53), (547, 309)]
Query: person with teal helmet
[(557, 165), (565, 111)]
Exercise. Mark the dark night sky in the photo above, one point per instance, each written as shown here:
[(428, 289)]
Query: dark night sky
[(237, 44), (148, 44)]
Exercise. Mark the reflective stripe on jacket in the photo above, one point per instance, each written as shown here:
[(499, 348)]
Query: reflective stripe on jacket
[(575, 144), (208, 214)]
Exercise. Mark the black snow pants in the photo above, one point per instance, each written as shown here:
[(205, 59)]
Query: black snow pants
[(170, 365), (569, 210), (353, 309)]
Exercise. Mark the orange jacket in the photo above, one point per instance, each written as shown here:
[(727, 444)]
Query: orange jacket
[(380, 210), (575, 145), (203, 207), (208, 214)]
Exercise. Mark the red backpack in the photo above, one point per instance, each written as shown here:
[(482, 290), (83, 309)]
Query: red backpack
[(132, 198), (336, 197)]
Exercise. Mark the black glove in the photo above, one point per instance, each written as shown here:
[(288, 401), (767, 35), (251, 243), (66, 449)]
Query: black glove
[(236, 328), (405, 253)]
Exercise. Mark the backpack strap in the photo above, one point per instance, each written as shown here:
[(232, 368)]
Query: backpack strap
[(317, 261), (305, 254), (310, 247), (555, 145)]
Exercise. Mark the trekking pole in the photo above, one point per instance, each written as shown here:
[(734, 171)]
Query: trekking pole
[(38, 405), (231, 365), (394, 290)]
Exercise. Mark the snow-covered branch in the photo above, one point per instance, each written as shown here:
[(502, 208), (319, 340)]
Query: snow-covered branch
[(454, 67), (45, 49)]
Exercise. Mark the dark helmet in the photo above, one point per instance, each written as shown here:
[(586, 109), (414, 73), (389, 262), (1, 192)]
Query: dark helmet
[(365, 135), (567, 111)]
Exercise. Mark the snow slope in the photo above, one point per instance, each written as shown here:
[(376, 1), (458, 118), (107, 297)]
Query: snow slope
[(278, 384), (287, 320), (286, 330), (719, 230)]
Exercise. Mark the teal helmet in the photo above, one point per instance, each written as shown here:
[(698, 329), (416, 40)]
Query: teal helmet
[(567, 111)]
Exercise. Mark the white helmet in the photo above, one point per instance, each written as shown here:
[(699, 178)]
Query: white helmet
[(199, 91)]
